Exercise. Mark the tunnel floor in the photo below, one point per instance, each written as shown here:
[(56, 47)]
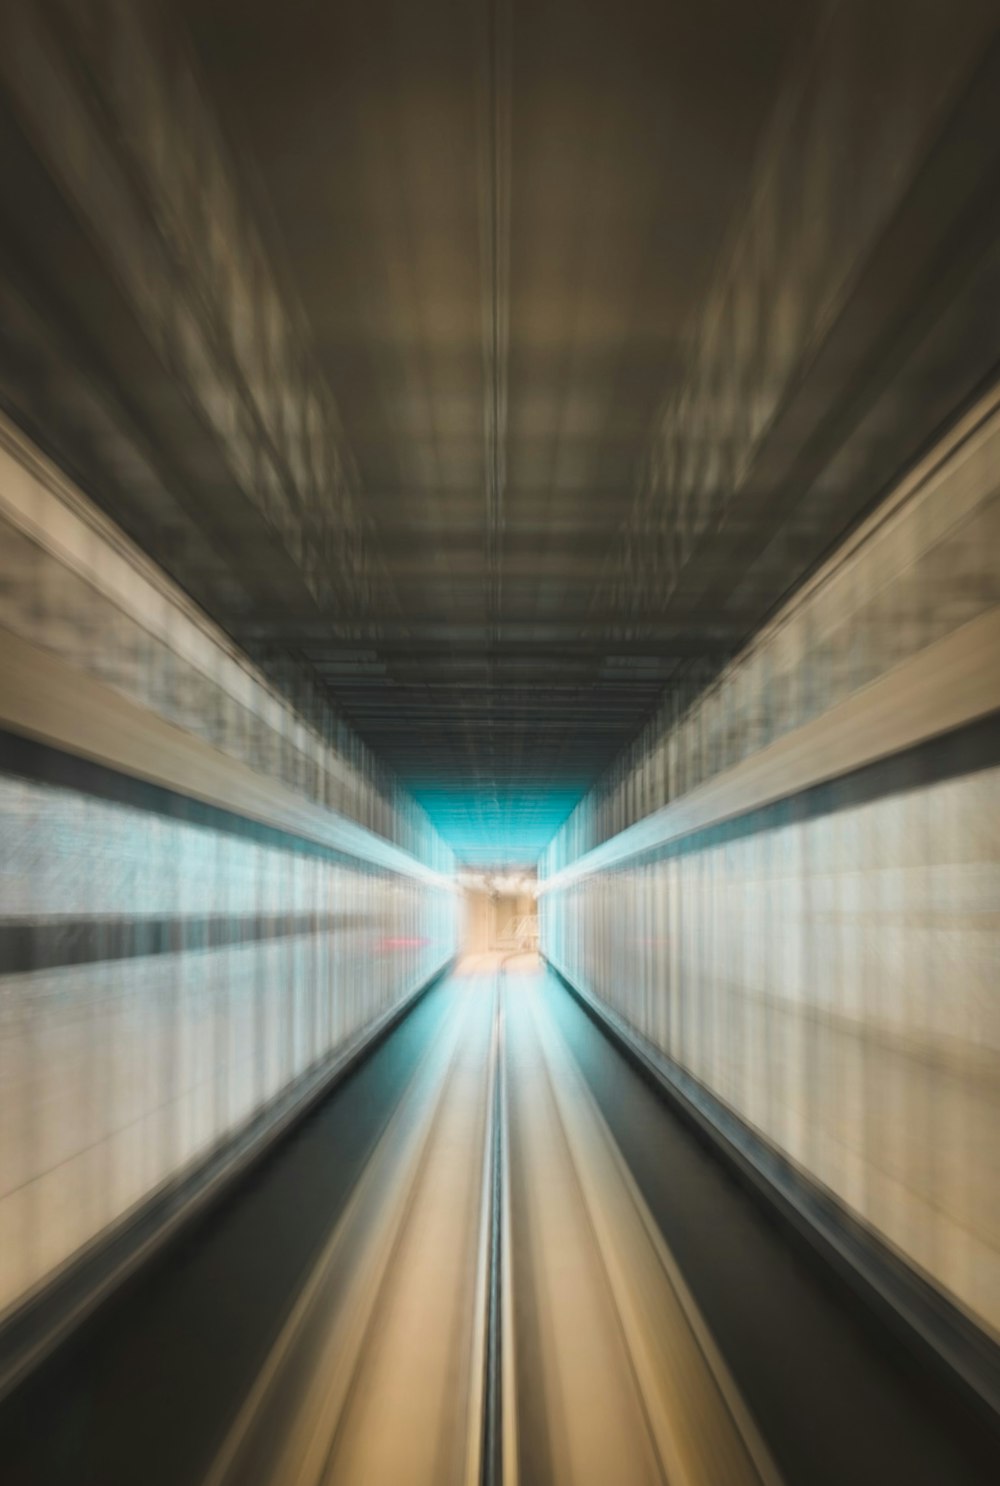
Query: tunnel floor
[(328, 1322)]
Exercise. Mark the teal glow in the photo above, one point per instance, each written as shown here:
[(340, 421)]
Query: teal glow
[(494, 828)]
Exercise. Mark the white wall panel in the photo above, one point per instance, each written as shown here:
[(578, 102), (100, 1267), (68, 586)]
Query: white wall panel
[(828, 966), (167, 969)]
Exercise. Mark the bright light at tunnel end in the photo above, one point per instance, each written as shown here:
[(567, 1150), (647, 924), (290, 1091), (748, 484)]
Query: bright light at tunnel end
[(506, 882)]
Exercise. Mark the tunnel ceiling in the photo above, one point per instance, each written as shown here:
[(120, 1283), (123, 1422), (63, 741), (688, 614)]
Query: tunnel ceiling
[(497, 222), (595, 324)]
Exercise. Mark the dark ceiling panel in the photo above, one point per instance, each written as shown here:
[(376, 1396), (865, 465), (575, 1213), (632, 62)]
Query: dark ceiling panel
[(497, 219)]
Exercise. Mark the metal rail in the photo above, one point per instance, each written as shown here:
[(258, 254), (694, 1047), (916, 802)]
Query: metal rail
[(492, 1454)]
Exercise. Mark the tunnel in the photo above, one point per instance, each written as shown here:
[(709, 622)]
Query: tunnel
[(499, 743)]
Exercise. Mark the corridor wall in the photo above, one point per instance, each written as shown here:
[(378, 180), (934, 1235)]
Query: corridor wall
[(205, 900), (788, 890)]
